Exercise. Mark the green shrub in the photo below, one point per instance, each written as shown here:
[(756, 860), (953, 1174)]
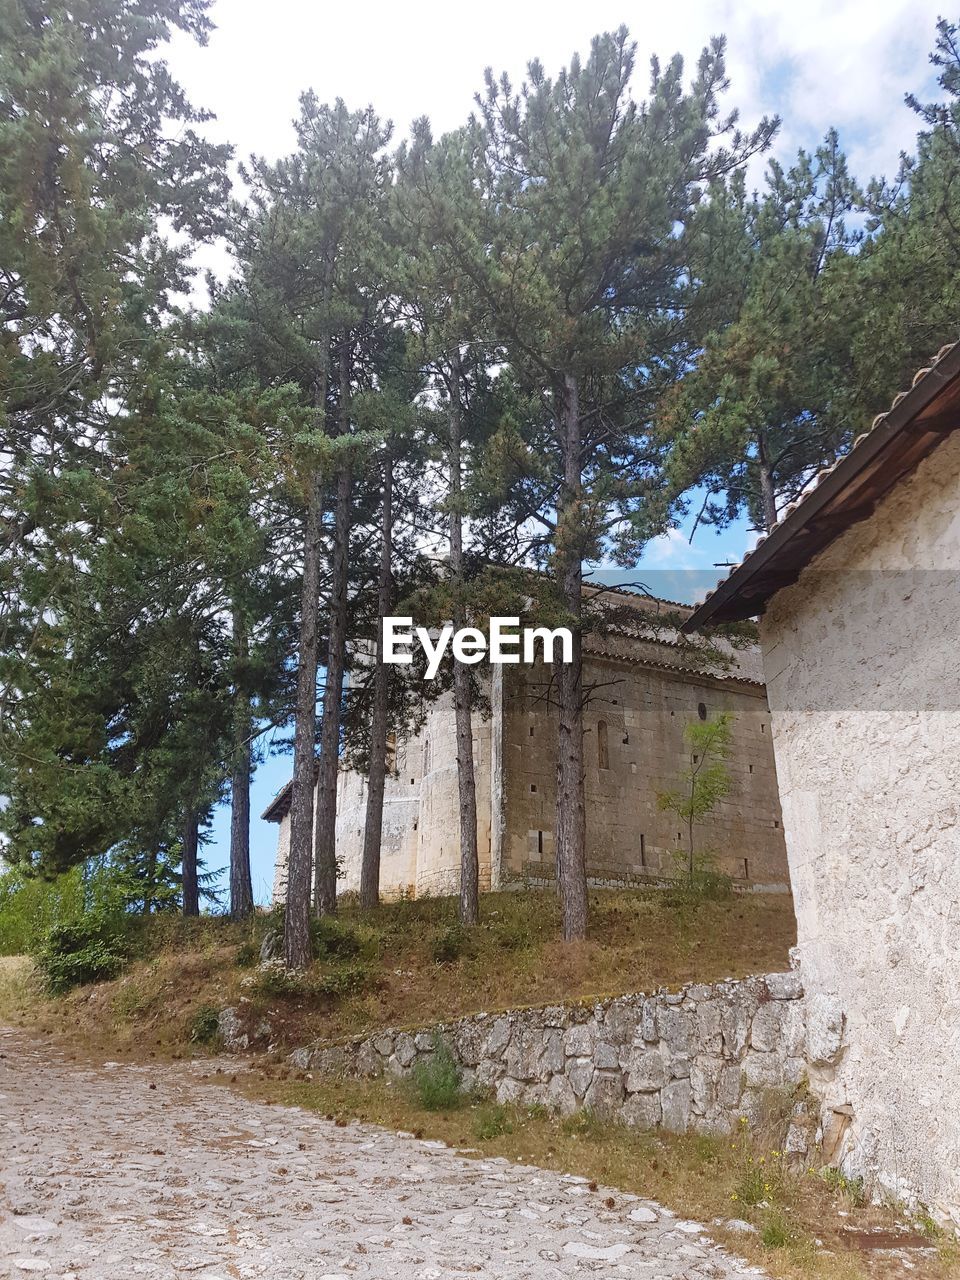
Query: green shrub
[(30, 906), (491, 1122), (448, 943), (248, 953), (334, 939), (436, 1082), (851, 1189), (90, 949), (776, 1232), (205, 1025), (348, 980), (761, 1181), (274, 980), (512, 934), (703, 884)]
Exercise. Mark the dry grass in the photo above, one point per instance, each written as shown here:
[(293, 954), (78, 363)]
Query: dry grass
[(807, 1228), (407, 964)]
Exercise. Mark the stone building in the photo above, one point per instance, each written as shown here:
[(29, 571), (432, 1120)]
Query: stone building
[(859, 588), (644, 691)]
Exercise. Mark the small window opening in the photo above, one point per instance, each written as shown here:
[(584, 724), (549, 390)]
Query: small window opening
[(750, 767), (539, 842), (412, 781), (695, 759), (746, 869), (603, 749), (533, 787), (626, 739), (776, 823), (531, 731), (643, 850), (702, 710), (414, 824), (763, 727)]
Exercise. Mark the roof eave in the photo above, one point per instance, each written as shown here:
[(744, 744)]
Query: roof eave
[(734, 600)]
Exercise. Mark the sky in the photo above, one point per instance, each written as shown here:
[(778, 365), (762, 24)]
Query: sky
[(817, 64)]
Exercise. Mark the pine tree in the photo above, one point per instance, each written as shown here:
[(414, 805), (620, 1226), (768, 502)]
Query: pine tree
[(766, 404), (301, 301), (905, 294), (388, 411), (91, 666), (567, 211)]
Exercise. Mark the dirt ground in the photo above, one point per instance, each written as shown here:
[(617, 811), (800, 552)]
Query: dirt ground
[(114, 1171)]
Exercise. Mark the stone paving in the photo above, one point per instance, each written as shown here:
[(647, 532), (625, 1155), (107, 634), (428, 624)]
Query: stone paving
[(115, 1171)]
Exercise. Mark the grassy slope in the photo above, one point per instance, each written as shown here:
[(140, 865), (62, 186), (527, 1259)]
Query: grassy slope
[(638, 942)]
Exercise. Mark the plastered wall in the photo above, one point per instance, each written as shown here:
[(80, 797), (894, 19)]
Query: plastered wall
[(862, 663)]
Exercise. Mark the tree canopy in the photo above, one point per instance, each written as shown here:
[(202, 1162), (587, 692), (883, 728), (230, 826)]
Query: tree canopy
[(437, 365)]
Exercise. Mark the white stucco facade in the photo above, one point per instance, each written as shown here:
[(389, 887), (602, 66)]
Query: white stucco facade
[(862, 662)]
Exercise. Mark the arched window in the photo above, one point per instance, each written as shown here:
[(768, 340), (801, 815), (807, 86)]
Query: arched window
[(603, 749)]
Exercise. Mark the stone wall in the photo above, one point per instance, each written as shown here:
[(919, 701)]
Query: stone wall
[(643, 698), (864, 687), (634, 749), (699, 1058)]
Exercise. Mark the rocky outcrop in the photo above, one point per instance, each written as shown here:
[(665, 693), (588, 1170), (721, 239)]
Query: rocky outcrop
[(699, 1058)]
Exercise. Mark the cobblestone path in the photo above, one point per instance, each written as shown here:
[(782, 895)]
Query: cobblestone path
[(117, 1171)]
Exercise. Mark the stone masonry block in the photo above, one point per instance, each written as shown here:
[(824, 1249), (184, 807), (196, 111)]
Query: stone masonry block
[(605, 1094), (644, 1070), (767, 1026), (642, 1111), (580, 1074), (675, 1099)]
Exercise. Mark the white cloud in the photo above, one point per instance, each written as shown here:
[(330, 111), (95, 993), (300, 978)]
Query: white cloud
[(672, 550), (817, 64)]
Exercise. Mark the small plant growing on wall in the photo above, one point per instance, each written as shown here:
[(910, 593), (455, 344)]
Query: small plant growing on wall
[(704, 782)]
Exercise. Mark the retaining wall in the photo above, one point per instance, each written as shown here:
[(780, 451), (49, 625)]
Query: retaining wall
[(699, 1058)]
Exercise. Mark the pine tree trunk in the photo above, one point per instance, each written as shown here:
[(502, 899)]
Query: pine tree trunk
[(190, 880), (571, 818), (325, 835), (768, 494), (373, 828), (297, 948), (150, 894), (466, 780), (241, 883)]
